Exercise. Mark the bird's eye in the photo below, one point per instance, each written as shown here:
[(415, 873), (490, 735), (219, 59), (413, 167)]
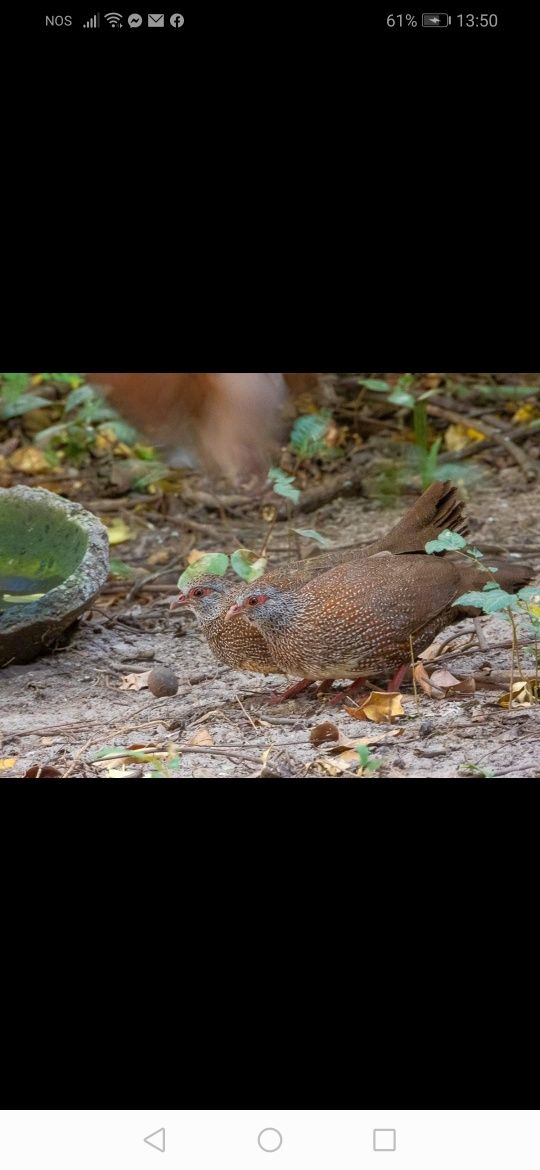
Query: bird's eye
[(197, 592), (253, 600)]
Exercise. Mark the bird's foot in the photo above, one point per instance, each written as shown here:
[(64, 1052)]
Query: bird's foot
[(346, 691), (291, 692)]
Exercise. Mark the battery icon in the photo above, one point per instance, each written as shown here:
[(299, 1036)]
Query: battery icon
[(435, 19)]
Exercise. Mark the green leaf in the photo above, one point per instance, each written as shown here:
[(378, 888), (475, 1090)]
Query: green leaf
[(42, 438), (491, 601), (247, 564), (22, 405), (456, 472), (428, 464), (156, 472), (210, 565), (96, 411), (447, 541), (374, 765), (374, 384), (283, 484), (312, 534), (12, 386), (141, 451), (401, 397), (363, 754), (126, 434), (492, 585), (530, 593), (76, 397), (308, 433), (119, 568), (104, 753), (506, 391)]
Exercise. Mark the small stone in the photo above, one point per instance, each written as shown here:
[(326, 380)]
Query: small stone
[(162, 681)]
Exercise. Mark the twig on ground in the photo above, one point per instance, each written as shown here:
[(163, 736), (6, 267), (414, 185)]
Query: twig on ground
[(482, 640), (257, 730), (77, 756)]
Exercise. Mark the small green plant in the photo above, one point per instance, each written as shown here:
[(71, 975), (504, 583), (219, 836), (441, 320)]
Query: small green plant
[(283, 484), (424, 456), (308, 436), (473, 769), (247, 564), (209, 565), (368, 763), (492, 598), (15, 399), (86, 419)]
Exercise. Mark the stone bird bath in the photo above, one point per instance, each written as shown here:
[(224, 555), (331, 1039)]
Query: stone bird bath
[(54, 559)]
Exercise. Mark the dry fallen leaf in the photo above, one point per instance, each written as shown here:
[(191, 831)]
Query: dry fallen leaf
[(195, 555), (524, 692), (346, 759), (323, 733), (160, 557), (423, 680), (444, 679), (30, 460), (457, 436), (332, 767), (42, 772), (201, 738), (117, 530), (448, 682), (525, 413), (8, 763), (135, 682), (379, 707), (441, 682)]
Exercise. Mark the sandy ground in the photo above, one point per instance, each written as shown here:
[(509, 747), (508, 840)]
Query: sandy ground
[(61, 709)]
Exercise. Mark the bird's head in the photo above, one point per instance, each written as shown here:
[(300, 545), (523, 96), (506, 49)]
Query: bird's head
[(265, 607), (206, 598)]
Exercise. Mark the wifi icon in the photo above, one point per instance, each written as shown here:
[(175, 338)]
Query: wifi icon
[(114, 19)]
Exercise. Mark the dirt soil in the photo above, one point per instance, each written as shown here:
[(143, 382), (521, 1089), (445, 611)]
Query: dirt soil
[(59, 710)]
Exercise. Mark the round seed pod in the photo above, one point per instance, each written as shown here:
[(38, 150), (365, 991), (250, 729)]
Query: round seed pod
[(162, 681)]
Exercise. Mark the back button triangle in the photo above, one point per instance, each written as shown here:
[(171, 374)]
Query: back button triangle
[(157, 1140)]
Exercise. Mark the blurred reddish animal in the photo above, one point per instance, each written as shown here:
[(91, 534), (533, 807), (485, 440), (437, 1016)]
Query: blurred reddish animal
[(230, 420)]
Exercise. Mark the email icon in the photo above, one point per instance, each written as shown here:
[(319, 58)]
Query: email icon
[(156, 20)]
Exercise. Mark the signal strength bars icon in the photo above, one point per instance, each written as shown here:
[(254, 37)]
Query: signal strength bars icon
[(93, 22), (114, 19)]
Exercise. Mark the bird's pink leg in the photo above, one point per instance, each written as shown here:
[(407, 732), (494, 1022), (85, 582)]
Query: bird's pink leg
[(350, 690), (292, 692), (397, 679)]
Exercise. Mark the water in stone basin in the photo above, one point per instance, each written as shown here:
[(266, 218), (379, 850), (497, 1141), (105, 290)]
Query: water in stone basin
[(18, 589)]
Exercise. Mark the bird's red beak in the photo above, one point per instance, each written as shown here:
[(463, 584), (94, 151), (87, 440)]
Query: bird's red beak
[(233, 612), (176, 601)]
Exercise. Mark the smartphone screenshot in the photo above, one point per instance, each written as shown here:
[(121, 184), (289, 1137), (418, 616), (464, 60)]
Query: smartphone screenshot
[(255, 1139), (319, 577)]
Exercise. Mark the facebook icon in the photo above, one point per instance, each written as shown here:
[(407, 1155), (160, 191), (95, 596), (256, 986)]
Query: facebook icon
[(177, 20)]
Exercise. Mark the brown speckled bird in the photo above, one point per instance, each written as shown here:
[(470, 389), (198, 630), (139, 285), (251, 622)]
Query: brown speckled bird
[(242, 645), (356, 619)]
